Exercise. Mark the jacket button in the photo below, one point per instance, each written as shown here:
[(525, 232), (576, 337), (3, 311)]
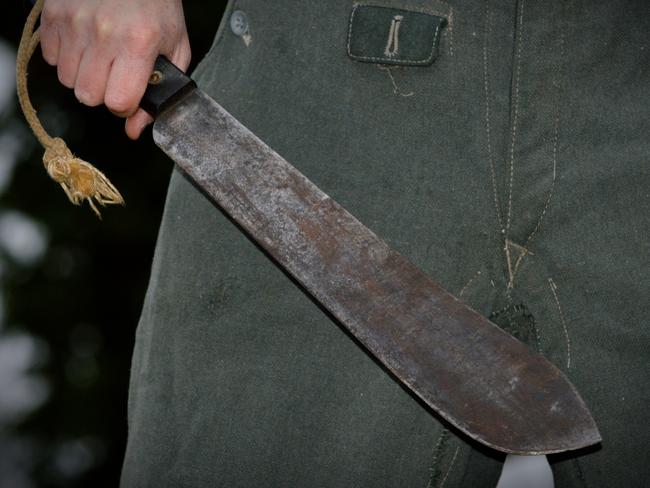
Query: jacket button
[(239, 23)]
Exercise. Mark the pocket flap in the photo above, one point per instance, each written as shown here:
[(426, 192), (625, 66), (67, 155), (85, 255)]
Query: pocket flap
[(386, 35)]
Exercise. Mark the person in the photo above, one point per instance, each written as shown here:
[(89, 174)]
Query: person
[(504, 152), (105, 50)]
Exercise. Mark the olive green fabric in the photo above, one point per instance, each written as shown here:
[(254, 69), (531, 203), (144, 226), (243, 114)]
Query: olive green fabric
[(513, 170)]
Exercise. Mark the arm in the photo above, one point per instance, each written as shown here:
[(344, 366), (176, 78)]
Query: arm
[(105, 49)]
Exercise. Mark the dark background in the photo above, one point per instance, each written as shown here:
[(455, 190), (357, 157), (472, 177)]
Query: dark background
[(71, 286)]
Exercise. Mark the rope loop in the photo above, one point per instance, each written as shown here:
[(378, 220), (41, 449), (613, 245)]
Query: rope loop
[(80, 180)]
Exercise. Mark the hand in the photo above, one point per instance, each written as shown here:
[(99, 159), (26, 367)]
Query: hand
[(105, 49)]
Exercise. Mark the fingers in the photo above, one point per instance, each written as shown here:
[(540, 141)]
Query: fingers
[(49, 42), (137, 123), (94, 69), (73, 40), (127, 82), (68, 65), (105, 49), (183, 54)]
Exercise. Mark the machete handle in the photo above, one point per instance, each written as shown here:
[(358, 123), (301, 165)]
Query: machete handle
[(167, 84)]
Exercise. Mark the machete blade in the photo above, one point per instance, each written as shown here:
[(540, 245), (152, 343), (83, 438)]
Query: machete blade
[(477, 377)]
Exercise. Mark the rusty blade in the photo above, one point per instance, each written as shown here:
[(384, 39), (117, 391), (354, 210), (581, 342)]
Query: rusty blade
[(477, 377)]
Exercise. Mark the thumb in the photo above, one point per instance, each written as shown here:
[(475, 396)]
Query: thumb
[(137, 123)]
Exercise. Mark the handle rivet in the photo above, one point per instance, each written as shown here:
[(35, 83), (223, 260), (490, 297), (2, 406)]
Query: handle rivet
[(155, 78)]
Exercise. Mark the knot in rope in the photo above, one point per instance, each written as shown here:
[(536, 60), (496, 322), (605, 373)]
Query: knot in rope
[(79, 179)]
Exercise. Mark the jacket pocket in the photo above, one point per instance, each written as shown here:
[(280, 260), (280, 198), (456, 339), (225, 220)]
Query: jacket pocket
[(385, 34)]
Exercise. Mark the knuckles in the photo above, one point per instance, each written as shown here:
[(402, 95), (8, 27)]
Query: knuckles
[(64, 14), (130, 33), (76, 19), (142, 38), (79, 19), (103, 27), (135, 33), (52, 13)]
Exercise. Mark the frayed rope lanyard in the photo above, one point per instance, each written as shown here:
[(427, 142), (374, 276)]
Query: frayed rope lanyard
[(80, 180)]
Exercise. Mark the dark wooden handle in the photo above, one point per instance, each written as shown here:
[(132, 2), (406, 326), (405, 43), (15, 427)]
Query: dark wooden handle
[(167, 84)]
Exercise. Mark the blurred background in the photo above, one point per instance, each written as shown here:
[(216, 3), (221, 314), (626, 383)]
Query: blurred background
[(71, 286)]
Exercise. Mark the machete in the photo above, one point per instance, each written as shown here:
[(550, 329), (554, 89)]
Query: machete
[(476, 376)]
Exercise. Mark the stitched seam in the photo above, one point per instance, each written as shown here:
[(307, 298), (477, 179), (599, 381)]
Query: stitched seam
[(495, 189), (450, 30), (520, 41), (553, 286), (451, 466), (538, 337), (513, 133), (469, 283), (556, 130), (437, 457), (576, 462), (523, 253), (386, 59)]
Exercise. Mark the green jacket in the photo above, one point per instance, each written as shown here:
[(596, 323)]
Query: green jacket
[(507, 156)]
